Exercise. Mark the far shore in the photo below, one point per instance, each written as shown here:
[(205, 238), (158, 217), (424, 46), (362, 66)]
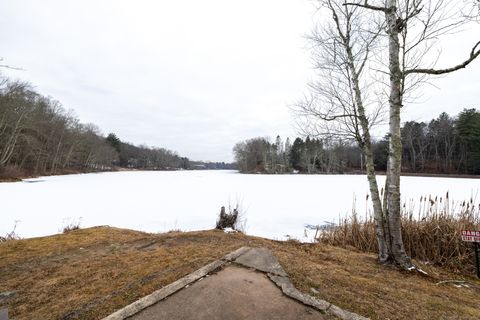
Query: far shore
[(119, 169), (379, 173)]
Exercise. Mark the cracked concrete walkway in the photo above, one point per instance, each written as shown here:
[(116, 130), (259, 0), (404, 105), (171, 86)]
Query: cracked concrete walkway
[(233, 293), (248, 283)]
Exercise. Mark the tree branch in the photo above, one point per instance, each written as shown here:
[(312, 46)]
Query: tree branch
[(8, 67), (473, 55), (366, 5)]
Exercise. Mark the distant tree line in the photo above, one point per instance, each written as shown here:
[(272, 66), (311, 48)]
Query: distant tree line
[(144, 157), (444, 145), (38, 136), (306, 156)]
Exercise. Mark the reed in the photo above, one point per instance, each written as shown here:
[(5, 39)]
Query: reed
[(12, 235), (431, 231)]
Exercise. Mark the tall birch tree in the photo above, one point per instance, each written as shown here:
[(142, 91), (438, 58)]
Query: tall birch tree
[(403, 33), (340, 96)]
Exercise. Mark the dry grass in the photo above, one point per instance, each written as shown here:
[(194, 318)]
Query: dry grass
[(89, 273), (71, 224), (12, 235), (431, 230)]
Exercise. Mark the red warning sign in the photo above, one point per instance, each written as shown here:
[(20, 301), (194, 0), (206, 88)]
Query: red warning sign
[(471, 236)]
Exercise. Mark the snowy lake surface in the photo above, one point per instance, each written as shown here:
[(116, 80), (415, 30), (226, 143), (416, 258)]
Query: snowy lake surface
[(274, 206)]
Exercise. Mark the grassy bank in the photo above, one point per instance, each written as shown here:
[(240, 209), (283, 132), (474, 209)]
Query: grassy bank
[(89, 273)]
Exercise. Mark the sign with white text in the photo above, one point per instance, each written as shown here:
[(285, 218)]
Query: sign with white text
[(471, 236)]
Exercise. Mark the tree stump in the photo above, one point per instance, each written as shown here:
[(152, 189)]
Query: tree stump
[(227, 220)]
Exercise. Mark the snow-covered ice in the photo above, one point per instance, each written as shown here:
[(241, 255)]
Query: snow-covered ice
[(275, 206)]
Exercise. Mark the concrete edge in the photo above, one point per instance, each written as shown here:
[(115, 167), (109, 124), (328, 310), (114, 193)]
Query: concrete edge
[(272, 268), (283, 282), (235, 254), (289, 290), (170, 289)]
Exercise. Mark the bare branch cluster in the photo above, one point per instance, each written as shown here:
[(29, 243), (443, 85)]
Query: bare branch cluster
[(370, 52)]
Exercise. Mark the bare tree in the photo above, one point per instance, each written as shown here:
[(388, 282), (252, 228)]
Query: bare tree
[(16, 104), (413, 28), (410, 29), (339, 99)]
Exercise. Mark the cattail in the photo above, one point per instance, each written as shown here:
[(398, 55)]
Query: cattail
[(434, 236)]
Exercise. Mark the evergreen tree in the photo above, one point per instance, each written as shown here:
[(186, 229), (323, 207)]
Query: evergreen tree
[(468, 131), (297, 155), (113, 140)]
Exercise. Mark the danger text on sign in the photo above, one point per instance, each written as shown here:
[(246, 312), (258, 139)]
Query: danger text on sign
[(471, 236)]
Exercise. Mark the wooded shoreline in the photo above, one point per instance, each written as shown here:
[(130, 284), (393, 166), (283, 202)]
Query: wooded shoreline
[(119, 169)]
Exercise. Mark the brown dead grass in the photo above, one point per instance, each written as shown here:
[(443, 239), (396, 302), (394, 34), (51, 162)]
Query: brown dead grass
[(89, 273)]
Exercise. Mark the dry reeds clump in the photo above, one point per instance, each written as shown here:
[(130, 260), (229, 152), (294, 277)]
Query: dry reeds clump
[(12, 235), (70, 224), (431, 231)]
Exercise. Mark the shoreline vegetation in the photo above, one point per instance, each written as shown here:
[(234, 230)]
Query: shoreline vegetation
[(378, 173), (18, 178), (39, 137), (431, 230), (5, 176), (103, 269), (444, 146)]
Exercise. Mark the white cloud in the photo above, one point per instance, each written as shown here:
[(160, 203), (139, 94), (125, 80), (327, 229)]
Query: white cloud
[(192, 76)]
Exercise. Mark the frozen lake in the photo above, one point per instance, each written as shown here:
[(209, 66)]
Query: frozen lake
[(156, 201)]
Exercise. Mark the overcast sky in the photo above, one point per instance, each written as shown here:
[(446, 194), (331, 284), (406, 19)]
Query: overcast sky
[(192, 76)]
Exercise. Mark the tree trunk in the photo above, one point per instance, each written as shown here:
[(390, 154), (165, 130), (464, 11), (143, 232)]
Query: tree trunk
[(365, 143), (397, 249)]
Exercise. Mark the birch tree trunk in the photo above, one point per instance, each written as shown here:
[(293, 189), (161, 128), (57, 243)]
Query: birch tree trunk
[(397, 248), (366, 144)]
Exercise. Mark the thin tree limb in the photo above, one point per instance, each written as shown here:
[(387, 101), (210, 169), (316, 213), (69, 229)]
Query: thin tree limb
[(473, 55)]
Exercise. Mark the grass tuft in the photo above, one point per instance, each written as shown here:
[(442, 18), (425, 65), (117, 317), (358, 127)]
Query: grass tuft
[(70, 225), (12, 235)]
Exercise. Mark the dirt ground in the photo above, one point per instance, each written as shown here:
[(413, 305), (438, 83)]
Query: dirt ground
[(89, 273)]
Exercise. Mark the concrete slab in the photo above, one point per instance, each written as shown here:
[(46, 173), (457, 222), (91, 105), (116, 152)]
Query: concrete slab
[(3, 314), (224, 289), (164, 292), (261, 259), (234, 293)]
